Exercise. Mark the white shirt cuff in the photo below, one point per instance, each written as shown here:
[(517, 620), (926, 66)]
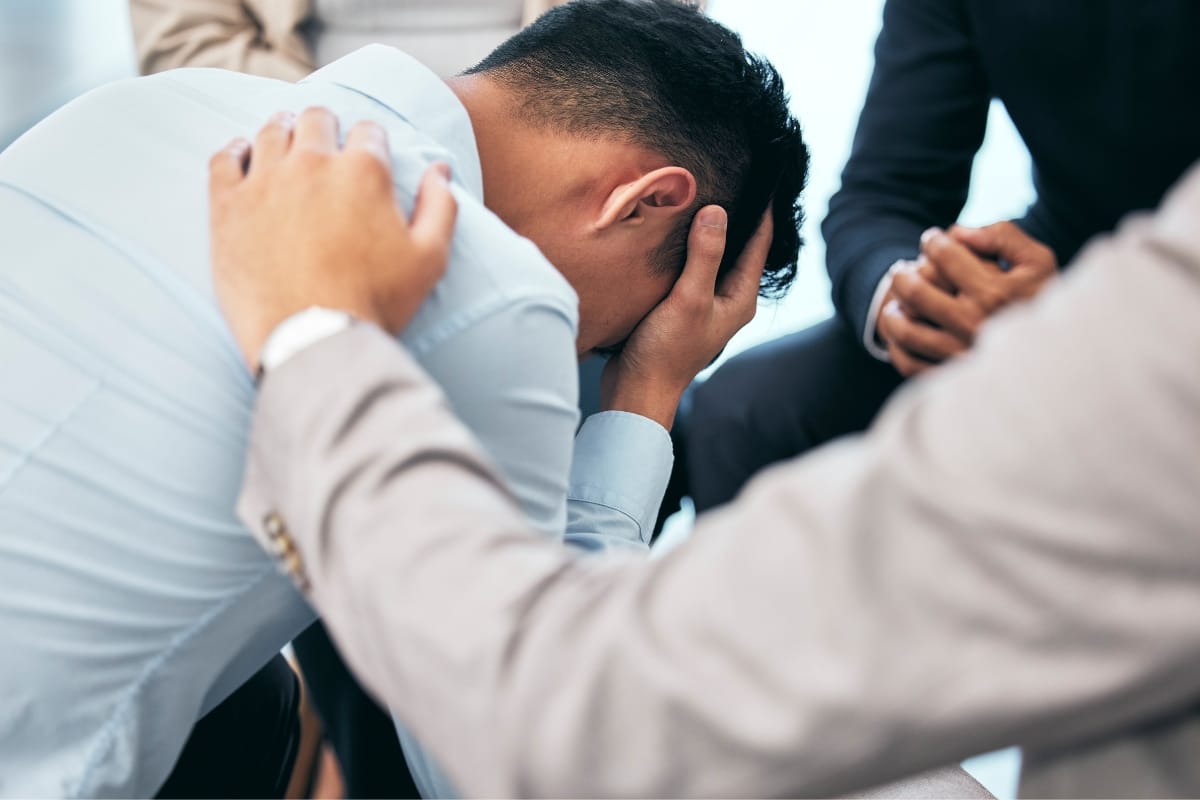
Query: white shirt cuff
[(870, 341)]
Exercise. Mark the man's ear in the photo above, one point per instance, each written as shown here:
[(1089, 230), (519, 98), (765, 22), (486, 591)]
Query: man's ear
[(663, 193)]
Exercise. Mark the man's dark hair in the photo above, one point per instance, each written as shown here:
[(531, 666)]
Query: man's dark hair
[(660, 74)]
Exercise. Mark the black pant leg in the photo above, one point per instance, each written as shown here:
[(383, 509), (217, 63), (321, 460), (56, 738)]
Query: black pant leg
[(777, 401), (361, 733), (246, 746), (679, 484), (590, 371)]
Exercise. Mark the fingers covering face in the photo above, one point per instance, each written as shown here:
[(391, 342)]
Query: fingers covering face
[(743, 280), (706, 249)]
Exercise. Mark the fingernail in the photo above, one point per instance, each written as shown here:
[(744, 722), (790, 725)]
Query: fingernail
[(929, 234), (713, 217), (284, 118), (443, 170), (372, 129), (239, 151)]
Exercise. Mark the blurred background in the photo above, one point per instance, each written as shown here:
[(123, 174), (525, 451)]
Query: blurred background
[(54, 50)]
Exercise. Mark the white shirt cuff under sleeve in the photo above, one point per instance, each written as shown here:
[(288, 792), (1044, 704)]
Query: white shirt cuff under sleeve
[(870, 341)]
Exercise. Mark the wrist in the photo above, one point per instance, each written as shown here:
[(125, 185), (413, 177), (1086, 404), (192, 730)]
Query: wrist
[(655, 402)]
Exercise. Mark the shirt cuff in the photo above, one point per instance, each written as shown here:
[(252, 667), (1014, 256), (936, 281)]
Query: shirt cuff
[(622, 462), (870, 340), (299, 332)]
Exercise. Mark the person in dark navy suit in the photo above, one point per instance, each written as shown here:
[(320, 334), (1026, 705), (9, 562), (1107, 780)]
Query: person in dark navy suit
[(1104, 94)]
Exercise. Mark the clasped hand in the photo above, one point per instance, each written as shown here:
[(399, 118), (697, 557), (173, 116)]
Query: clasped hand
[(937, 304)]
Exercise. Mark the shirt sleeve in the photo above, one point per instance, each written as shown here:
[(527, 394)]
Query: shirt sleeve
[(622, 464), (599, 489), (910, 165)]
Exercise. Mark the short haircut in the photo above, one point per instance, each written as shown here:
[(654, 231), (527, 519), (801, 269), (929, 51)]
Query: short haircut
[(661, 74)]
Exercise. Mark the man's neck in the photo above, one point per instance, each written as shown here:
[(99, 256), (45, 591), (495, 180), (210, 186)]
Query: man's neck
[(512, 153), (479, 96)]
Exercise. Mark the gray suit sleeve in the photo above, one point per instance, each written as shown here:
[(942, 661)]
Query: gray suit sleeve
[(1009, 556)]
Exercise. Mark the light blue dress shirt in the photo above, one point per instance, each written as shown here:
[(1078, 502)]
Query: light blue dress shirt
[(132, 601)]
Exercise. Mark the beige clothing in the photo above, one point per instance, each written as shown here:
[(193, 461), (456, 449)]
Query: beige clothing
[(261, 37), (448, 36), (1010, 556)]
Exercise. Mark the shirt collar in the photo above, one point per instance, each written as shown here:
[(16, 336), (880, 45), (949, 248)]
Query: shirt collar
[(409, 89)]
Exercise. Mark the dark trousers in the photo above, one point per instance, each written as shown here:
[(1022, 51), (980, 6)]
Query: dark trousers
[(246, 746), (772, 403), (361, 733)]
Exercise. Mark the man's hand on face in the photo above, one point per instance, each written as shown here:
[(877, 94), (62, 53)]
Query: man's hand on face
[(935, 307), (309, 223), (690, 328)]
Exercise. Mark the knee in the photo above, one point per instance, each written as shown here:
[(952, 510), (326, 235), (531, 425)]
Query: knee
[(760, 402), (727, 434), (718, 406)]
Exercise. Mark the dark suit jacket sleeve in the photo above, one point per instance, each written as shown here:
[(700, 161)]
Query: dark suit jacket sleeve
[(910, 167)]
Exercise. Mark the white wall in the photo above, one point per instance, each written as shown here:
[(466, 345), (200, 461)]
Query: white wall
[(823, 49)]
